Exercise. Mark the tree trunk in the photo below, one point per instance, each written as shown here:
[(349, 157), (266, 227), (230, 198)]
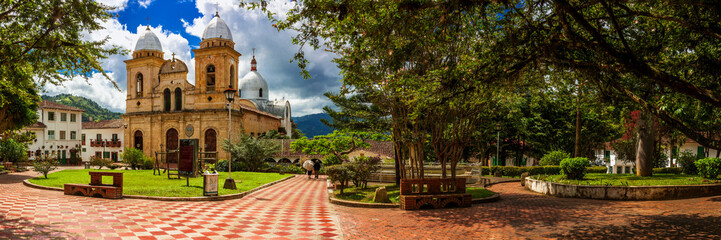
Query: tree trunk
[(578, 121), (644, 150)]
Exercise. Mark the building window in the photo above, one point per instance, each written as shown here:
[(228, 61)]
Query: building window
[(619, 169), (62, 135), (51, 116), (99, 137), (232, 76), (106, 154), (139, 85), (166, 99), (51, 134), (260, 92), (73, 135), (178, 99), (85, 149), (98, 154), (115, 137), (210, 75), (82, 137), (73, 117), (628, 169), (63, 117)]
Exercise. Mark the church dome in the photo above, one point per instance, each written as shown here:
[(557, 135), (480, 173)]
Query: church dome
[(148, 41), (217, 29), (253, 86)]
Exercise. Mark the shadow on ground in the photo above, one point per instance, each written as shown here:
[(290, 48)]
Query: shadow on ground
[(679, 226), (13, 178), (20, 228)]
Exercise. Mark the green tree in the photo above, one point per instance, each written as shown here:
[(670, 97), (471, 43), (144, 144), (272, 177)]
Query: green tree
[(251, 151), (554, 158), (132, 156), (336, 145), (49, 48), (13, 151), (45, 165)]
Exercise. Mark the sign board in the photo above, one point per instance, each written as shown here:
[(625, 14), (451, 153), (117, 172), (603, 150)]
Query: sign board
[(187, 156), (210, 184)]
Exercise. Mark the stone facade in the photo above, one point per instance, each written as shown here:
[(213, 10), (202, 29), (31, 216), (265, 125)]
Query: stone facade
[(163, 107)]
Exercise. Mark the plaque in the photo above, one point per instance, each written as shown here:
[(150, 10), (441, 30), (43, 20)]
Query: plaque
[(189, 130)]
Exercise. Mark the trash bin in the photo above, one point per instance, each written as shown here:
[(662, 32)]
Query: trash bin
[(87, 165), (210, 184)]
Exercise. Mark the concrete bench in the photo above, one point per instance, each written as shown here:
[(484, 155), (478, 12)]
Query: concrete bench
[(434, 193), (96, 188)]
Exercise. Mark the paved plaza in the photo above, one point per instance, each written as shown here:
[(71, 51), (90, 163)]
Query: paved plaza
[(299, 209)]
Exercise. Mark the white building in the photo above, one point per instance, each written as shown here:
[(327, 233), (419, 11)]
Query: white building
[(615, 165), (103, 139), (57, 130)]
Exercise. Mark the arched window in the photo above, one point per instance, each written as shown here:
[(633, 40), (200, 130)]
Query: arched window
[(232, 76), (178, 99), (139, 85), (210, 76), (260, 92), (166, 99)]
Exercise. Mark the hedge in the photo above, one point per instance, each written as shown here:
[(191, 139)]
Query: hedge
[(674, 170)]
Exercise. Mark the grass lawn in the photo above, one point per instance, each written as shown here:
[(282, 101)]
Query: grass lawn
[(394, 192), (630, 179), (142, 182)]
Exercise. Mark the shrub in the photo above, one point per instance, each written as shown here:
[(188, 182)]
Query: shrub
[(291, 168), (251, 151), (340, 174), (673, 170), (686, 160), (45, 165), (13, 151), (222, 166), (362, 168), (133, 157), (597, 169), (574, 168), (553, 158), (148, 163), (510, 171), (709, 167), (74, 156), (331, 160), (100, 162)]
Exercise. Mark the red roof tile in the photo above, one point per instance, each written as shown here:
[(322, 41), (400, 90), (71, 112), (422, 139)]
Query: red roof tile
[(53, 105), (113, 123)]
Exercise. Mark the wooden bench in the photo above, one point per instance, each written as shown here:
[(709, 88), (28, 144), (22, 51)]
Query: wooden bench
[(435, 193), (96, 188)]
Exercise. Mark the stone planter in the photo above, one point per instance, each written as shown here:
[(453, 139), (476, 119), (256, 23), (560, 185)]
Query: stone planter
[(623, 192)]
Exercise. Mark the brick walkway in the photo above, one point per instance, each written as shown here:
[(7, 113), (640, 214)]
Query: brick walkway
[(295, 209), (521, 214)]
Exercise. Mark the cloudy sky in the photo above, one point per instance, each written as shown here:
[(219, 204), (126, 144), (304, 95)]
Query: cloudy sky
[(179, 24)]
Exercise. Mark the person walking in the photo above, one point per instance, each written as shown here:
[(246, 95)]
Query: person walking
[(316, 168), (308, 165)]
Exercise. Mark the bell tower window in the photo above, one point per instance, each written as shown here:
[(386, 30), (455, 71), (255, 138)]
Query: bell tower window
[(232, 76), (139, 85), (260, 92), (166, 99), (210, 78), (178, 99)]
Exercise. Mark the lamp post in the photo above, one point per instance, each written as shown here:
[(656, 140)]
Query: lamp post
[(498, 141), (229, 182)]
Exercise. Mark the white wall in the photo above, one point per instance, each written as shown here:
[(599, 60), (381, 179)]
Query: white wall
[(57, 145), (107, 135)]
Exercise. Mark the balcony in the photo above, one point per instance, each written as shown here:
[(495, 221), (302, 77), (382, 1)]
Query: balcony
[(106, 143)]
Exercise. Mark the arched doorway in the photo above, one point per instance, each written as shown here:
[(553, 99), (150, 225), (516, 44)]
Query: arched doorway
[(171, 142), (138, 140), (211, 142)]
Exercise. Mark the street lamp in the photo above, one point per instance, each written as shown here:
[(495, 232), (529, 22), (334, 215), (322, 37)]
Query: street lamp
[(229, 182), (498, 141)]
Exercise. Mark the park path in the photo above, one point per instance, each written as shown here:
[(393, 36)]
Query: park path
[(294, 209), (521, 214)]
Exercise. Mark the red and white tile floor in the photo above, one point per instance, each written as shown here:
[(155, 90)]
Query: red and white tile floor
[(294, 209)]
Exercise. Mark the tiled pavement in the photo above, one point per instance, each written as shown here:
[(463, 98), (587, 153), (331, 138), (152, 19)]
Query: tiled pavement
[(521, 214), (295, 209)]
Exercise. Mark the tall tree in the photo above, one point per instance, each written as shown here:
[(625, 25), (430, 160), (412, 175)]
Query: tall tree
[(41, 42)]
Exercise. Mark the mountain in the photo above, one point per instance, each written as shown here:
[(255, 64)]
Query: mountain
[(311, 126), (92, 109)]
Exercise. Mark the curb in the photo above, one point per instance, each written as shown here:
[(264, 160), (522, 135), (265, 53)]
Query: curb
[(4, 172), (187, 199), (492, 198), (348, 203)]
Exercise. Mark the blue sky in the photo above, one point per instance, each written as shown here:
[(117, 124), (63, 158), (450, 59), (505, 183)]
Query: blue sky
[(179, 25)]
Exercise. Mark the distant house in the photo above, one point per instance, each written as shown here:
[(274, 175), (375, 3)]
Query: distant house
[(616, 165), (57, 131), (103, 139)]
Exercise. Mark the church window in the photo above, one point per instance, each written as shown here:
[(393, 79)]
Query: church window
[(260, 92), (210, 77), (178, 99), (232, 76), (139, 85), (166, 99), (240, 95)]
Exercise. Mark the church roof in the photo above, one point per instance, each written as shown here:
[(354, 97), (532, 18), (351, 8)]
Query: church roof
[(173, 66), (148, 41), (217, 29), (273, 107), (250, 85)]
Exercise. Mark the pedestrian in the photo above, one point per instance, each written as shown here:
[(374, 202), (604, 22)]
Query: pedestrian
[(308, 165), (316, 168)]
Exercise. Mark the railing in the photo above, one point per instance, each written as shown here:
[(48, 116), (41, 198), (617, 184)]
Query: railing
[(101, 143)]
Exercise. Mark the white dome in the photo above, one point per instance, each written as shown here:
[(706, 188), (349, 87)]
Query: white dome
[(148, 41), (250, 86), (217, 29)]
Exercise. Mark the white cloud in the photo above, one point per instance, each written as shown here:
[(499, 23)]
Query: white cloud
[(119, 5), (145, 3)]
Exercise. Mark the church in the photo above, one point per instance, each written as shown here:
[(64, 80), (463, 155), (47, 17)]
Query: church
[(162, 107)]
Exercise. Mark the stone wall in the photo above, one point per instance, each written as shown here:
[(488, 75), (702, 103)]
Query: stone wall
[(623, 192)]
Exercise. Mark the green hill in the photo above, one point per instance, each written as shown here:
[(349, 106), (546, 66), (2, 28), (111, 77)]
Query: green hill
[(92, 109), (311, 126)]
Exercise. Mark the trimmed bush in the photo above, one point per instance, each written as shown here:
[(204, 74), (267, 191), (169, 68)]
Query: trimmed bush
[(686, 160), (709, 167), (340, 174), (553, 158), (148, 163), (134, 157), (596, 169), (574, 168), (100, 162), (222, 166), (511, 171), (673, 170)]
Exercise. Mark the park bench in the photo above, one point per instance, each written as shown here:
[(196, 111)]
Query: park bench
[(435, 193), (96, 188)]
